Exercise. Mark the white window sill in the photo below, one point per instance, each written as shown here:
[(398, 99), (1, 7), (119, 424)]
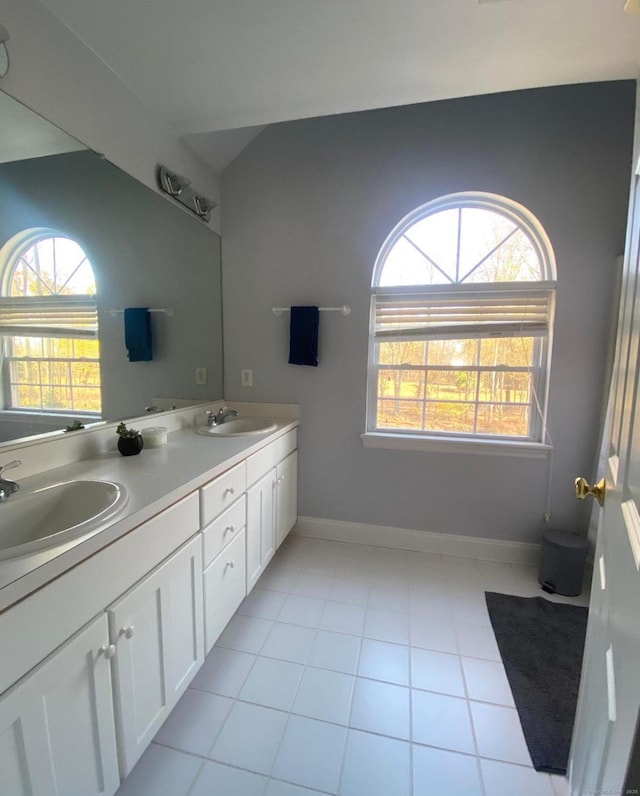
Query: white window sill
[(487, 447)]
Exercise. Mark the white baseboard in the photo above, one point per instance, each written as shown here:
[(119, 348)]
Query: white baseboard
[(419, 541)]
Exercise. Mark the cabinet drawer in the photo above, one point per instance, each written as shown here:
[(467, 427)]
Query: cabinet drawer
[(221, 493), (223, 530), (224, 589), (262, 461)]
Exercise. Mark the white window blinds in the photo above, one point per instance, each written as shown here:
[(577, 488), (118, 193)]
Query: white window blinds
[(43, 316), (459, 311)]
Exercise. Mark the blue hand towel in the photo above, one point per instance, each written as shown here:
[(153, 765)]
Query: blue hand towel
[(303, 336), (137, 334)]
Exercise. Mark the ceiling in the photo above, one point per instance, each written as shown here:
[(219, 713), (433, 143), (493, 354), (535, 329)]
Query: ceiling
[(220, 65)]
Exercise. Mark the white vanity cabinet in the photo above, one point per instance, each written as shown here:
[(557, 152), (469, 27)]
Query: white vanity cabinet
[(261, 520), (57, 731), (271, 502), (78, 707), (223, 516), (286, 496), (157, 631), (57, 735)]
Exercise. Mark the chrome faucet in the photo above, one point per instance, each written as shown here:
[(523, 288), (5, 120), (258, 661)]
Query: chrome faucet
[(8, 487), (219, 417)]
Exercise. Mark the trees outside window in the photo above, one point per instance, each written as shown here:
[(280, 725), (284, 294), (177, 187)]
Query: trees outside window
[(461, 315), (48, 326)]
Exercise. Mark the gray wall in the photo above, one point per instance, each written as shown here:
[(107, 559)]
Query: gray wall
[(144, 252), (306, 208)]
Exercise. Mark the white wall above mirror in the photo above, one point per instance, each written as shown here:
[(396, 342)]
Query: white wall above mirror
[(144, 253)]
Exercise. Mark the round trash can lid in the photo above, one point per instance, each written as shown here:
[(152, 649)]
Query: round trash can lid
[(565, 539)]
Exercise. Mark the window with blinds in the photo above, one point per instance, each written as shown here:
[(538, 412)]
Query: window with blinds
[(49, 327), (461, 316)]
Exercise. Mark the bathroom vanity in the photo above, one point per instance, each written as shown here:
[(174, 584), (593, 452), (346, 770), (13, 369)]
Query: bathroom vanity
[(93, 660)]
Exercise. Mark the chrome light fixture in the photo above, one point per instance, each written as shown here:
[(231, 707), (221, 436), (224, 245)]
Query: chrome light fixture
[(4, 53), (179, 188)]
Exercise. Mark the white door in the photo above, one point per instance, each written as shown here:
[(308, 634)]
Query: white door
[(157, 627), (609, 699), (261, 506), (57, 735)]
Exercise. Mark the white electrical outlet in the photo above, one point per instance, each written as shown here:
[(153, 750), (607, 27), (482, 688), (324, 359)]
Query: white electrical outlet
[(201, 375), (246, 378)]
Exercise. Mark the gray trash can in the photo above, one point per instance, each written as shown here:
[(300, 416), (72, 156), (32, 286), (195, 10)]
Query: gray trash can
[(562, 557)]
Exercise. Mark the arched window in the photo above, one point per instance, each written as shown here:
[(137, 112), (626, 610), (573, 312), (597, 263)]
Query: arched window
[(48, 325), (461, 313)]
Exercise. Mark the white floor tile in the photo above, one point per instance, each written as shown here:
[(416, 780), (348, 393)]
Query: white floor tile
[(380, 660), (324, 695), (438, 772), (343, 618), (375, 766), (289, 642), (381, 708), (278, 788), (433, 634), (335, 651), (245, 633), (272, 683), (345, 589), (487, 682), (559, 785), (387, 626), (311, 754), (389, 596), (392, 618), (300, 610), (442, 721), (161, 772), (195, 722), (477, 641), (275, 580), (262, 603), (499, 734), (250, 737), (223, 672), (437, 671), (503, 779), (432, 601), (312, 584), (470, 608), (217, 778)]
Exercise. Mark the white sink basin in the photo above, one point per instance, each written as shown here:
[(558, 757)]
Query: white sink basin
[(241, 427), (47, 517)]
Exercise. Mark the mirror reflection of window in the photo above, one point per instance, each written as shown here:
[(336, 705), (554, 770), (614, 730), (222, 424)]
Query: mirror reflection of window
[(49, 325)]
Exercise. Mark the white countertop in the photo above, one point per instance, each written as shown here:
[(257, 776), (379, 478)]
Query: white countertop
[(154, 480)]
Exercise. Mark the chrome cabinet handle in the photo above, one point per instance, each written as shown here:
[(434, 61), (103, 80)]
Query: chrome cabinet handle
[(231, 490), (229, 529), (128, 632)]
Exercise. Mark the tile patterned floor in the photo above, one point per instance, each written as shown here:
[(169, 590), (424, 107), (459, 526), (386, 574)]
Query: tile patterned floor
[(353, 671)]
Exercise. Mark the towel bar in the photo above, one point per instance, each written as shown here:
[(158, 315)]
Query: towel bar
[(343, 309)]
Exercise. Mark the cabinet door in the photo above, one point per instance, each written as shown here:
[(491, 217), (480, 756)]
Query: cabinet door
[(225, 585), (261, 507), (157, 627), (286, 496), (57, 735)]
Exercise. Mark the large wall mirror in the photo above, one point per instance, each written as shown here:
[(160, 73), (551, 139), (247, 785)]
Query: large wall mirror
[(143, 252)]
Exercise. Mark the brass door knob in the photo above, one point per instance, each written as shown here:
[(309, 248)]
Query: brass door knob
[(583, 489)]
